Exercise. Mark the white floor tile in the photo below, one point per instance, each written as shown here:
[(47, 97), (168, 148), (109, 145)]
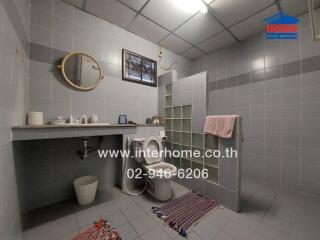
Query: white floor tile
[(117, 219), (144, 224), (155, 234), (133, 212), (241, 227), (266, 215), (193, 236), (53, 230), (86, 217), (64, 226), (206, 230), (125, 203), (270, 233), (106, 209), (146, 202), (219, 217), (222, 236), (127, 232)]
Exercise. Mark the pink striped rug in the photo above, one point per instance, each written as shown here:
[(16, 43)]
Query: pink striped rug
[(182, 212)]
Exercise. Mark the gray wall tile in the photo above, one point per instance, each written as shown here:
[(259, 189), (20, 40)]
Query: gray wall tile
[(73, 29), (292, 68), (310, 157), (309, 109), (14, 98), (56, 163), (41, 19), (310, 141), (63, 10), (277, 94), (40, 53), (229, 198), (62, 26), (291, 97), (310, 64), (211, 190), (291, 83), (273, 85), (43, 5), (41, 36), (309, 95), (310, 79), (273, 99), (309, 187), (291, 125), (40, 89)]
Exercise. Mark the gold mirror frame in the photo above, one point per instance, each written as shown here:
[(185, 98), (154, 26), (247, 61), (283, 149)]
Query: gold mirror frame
[(62, 69)]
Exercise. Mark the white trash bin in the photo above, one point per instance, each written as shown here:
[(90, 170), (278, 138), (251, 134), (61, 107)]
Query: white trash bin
[(86, 189)]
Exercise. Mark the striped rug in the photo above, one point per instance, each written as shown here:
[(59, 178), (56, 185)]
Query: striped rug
[(185, 211)]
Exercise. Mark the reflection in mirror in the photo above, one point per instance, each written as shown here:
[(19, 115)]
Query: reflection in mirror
[(81, 71)]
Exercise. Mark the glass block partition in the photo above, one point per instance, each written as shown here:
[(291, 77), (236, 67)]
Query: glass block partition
[(178, 126), (184, 103)]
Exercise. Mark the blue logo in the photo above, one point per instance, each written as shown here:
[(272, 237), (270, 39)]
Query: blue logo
[(281, 26)]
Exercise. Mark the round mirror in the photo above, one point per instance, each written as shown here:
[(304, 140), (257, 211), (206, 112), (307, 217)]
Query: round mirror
[(81, 71)]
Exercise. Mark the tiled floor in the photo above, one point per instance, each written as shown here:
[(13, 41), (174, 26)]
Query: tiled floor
[(268, 214)]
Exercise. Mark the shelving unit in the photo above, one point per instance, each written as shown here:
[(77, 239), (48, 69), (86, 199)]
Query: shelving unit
[(178, 126), (184, 105)]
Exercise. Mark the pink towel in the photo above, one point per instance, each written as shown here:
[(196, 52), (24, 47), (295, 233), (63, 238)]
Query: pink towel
[(221, 126)]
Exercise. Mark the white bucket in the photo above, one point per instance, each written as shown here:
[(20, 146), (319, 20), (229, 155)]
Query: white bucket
[(86, 189)]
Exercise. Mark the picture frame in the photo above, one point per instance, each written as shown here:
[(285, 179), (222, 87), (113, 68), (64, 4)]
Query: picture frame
[(139, 69)]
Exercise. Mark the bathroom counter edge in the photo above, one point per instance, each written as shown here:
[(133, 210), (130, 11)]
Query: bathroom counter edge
[(20, 133), (66, 126)]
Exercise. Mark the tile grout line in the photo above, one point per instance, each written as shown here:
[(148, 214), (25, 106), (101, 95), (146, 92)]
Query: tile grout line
[(281, 117), (301, 112)]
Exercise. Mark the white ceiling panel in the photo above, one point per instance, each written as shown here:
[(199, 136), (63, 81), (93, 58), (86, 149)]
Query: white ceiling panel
[(147, 29), (296, 7), (175, 44), (193, 54), (221, 40), (199, 28), (167, 13), (135, 4), (111, 11), (232, 11), (76, 3), (254, 24)]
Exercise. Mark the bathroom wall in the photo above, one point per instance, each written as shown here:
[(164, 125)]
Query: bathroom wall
[(275, 87), (51, 166), (57, 28), (14, 25)]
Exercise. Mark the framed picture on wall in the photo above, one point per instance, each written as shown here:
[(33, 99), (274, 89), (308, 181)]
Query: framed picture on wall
[(138, 69)]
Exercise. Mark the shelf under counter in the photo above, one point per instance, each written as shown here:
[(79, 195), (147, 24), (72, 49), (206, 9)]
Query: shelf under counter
[(35, 132)]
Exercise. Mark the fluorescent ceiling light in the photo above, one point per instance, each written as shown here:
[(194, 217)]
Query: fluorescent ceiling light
[(191, 5)]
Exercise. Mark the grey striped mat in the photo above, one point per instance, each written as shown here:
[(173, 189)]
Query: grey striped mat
[(182, 212)]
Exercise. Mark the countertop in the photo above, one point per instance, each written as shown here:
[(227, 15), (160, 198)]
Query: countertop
[(33, 132), (95, 125)]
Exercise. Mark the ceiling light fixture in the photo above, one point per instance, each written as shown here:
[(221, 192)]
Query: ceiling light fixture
[(191, 5)]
